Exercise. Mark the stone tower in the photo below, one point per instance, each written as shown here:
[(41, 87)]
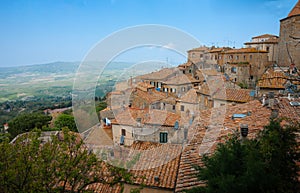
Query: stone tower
[(289, 41)]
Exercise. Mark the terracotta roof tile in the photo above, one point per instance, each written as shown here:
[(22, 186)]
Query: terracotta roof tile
[(235, 95), (214, 50), (155, 117), (202, 48), (151, 96), (295, 10), (244, 50), (272, 79), (286, 110), (181, 79), (144, 86), (217, 91), (211, 129), (156, 160), (210, 72), (265, 36), (190, 97), (187, 64), (159, 75)]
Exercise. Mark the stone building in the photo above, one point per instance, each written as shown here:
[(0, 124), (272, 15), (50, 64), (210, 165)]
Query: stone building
[(214, 95), (199, 56), (188, 104), (289, 41), (157, 78), (266, 42), (152, 125), (180, 84)]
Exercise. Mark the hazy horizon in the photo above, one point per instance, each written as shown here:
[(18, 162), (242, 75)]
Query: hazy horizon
[(38, 32)]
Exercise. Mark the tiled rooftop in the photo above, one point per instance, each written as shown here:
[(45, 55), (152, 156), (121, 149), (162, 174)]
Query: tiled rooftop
[(213, 128), (265, 36), (174, 165), (272, 79), (202, 48), (104, 188), (152, 116), (159, 75), (235, 95), (295, 10), (184, 65), (210, 72), (269, 41), (286, 110), (244, 50), (151, 96), (190, 97), (214, 50), (156, 160), (144, 86), (181, 79), (217, 91)]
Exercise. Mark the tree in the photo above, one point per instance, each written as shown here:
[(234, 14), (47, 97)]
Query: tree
[(264, 164), (63, 164), (27, 122), (65, 120)]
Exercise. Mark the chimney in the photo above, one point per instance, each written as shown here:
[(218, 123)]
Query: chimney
[(244, 130), (271, 99)]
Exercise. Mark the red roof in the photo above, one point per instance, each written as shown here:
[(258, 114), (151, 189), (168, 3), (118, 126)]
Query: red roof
[(295, 10)]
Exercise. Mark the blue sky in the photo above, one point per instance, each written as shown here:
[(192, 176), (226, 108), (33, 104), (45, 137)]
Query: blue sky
[(41, 31)]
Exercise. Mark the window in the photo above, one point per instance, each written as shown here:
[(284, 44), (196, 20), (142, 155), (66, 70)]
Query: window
[(173, 90), (163, 137), (236, 57), (193, 55), (139, 120), (244, 57), (233, 70), (250, 57), (183, 89), (201, 55), (173, 107), (183, 71), (182, 107), (159, 85), (123, 132), (268, 49), (190, 71)]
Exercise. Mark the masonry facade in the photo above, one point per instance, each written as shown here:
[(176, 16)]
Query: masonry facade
[(289, 44)]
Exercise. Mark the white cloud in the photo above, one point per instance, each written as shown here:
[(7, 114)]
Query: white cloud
[(169, 46)]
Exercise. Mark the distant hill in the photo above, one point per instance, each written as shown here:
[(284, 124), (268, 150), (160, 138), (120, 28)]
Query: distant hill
[(56, 79), (53, 68)]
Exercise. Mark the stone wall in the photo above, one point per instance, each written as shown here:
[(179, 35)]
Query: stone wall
[(289, 47)]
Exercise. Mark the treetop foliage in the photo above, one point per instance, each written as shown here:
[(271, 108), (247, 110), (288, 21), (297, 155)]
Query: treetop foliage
[(264, 164)]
